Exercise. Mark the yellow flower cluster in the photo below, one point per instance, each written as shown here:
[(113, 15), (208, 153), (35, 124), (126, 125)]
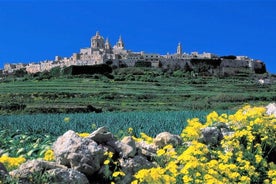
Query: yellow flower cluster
[(12, 162), (143, 137), (192, 131), (49, 155), (83, 135), (242, 156), (155, 175), (66, 119), (109, 155)]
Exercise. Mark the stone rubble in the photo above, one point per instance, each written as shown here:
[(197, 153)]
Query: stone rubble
[(81, 160), (271, 109)]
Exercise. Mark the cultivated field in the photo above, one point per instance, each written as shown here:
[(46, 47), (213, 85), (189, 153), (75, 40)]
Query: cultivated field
[(148, 91)]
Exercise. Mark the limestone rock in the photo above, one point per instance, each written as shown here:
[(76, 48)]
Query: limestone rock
[(166, 138), (3, 171), (126, 147), (131, 146), (69, 176), (129, 141), (271, 109), (145, 149), (211, 136), (81, 154), (34, 166), (132, 165), (101, 135), (123, 149)]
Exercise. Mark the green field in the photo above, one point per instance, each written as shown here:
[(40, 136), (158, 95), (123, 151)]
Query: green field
[(149, 92)]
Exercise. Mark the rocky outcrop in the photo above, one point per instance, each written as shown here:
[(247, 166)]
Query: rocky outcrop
[(131, 165), (54, 172), (61, 176), (3, 171), (81, 154), (271, 109), (166, 138), (82, 160), (101, 135), (212, 136)]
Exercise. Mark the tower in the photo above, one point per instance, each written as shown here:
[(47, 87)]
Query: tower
[(120, 44), (107, 45), (179, 49), (97, 41)]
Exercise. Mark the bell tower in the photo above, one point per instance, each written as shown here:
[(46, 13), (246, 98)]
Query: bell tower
[(107, 45), (120, 44), (179, 49), (97, 41)]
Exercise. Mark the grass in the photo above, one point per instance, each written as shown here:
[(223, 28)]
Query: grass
[(118, 122), (163, 93)]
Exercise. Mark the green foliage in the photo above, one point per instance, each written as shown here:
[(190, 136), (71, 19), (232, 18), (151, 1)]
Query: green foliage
[(55, 72), (133, 89), (25, 143), (56, 124)]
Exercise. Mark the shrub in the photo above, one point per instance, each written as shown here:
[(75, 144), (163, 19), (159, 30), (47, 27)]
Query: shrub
[(247, 155)]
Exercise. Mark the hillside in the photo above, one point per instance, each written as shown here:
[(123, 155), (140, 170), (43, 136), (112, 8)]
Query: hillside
[(132, 89)]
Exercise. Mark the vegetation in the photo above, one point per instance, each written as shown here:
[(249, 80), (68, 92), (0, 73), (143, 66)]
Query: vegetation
[(36, 109), (131, 89), (56, 124), (245, 155)]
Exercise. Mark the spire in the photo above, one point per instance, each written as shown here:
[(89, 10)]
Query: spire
[(97, 41), (179, 49), (120, 44), (107, 44), (106, 41)]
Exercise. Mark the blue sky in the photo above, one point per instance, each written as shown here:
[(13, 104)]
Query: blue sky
[(31, 31)]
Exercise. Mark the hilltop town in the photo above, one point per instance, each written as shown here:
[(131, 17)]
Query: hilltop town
[(101, 52)]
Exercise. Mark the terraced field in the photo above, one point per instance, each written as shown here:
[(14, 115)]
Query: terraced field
[(161, 93)]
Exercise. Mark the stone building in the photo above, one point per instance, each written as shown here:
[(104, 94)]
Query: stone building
[(100, 51)]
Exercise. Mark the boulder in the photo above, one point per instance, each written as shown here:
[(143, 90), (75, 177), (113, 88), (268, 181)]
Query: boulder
[(69, 176), (101, 135), (124, 150), (131, 146), (166, 138), (145, 149), (34, 166), (81, 154), (271, 109), (132, 165), (211, 136), (3, 171)]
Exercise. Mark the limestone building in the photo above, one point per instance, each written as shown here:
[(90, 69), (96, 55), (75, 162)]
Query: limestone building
[(100, 51)]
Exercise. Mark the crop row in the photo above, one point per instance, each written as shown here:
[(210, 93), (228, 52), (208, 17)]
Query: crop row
[(151, 123)]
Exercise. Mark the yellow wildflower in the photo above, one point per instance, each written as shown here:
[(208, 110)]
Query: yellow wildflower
[(12, 162), (106, 162), (130, 131), (147, 138), (109, 154), (83, 135), (160, 152), (258, 158), (186, 179), (118, 173), (66, 119), (49, 155)]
